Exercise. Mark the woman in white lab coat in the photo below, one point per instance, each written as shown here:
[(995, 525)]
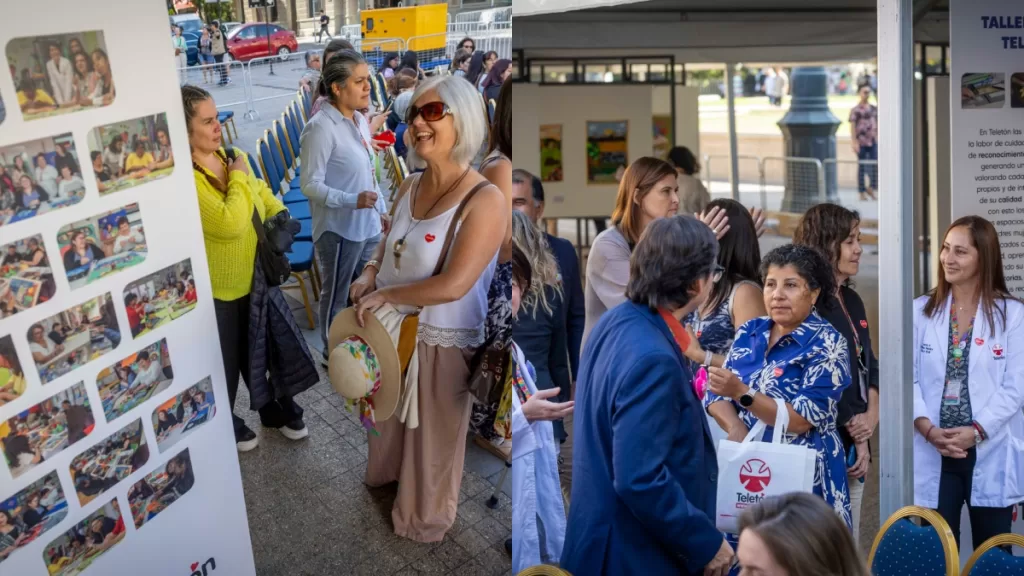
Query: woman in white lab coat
[(969, 386), (537, 509)]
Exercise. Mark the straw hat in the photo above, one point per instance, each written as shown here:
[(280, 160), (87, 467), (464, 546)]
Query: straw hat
[(363, 365)]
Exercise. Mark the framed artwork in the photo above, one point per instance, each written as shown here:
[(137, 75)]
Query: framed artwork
[(607, 146), (551, 153), (662, 132)]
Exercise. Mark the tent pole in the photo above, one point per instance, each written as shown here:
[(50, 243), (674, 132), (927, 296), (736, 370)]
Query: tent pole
[(734, 164), (896, 242)]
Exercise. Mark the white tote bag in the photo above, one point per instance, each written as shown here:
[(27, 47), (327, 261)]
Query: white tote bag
[(750, 471)]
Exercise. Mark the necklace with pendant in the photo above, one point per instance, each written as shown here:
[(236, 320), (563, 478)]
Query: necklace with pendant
[(400, 245)]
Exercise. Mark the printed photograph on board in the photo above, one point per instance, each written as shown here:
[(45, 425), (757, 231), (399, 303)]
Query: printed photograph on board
[(178, 417), (134, 380), (661, 127), (12, 377), (30, 513), (102, 245), (551, 153), (46, 429), (60, 73), (154, 493), (38, 177), (74, 337), (101, 467), (1017, 90), (26, 279), (75, 550), (607, 148), (129, 153), (155, 300), (984, 90)]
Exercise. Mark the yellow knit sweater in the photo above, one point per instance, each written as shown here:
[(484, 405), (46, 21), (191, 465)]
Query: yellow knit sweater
[(228, 230)]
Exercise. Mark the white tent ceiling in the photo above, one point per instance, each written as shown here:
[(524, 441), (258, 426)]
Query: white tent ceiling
[(713, 30)]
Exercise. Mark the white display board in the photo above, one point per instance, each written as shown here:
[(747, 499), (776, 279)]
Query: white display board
[(116, 447), (987, 104)]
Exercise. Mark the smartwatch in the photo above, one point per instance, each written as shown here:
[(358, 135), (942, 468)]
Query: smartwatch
[(747, 400)]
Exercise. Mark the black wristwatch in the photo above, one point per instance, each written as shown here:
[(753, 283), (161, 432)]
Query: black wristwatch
[(747, 400)]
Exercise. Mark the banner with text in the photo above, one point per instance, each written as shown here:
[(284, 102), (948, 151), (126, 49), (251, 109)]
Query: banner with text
[(116, 447), (987, 103)]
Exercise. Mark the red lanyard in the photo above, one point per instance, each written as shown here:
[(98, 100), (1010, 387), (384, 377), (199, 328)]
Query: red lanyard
[(856, 337), (680, 335)]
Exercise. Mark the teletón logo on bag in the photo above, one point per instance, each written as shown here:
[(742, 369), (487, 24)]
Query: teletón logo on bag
[(755, 475), (208, 566)]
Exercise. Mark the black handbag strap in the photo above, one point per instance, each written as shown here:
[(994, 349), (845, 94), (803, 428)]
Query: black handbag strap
[(450, 236)]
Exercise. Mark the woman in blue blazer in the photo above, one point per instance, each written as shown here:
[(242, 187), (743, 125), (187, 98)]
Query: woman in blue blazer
[(644, 468)]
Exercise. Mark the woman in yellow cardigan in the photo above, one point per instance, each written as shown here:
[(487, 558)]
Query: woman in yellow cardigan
[(228, 194)]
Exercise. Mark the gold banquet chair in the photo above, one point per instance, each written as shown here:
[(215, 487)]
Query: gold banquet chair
[(991, 560), (543, 570), (903, 548)]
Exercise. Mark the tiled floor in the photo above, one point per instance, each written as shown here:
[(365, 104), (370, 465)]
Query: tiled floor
[(311, 515)]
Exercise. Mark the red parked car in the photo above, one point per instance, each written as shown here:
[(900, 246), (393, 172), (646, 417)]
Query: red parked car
[(249, 41)]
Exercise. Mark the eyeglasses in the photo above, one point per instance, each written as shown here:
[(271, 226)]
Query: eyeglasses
[(716, 273), (431, 112)]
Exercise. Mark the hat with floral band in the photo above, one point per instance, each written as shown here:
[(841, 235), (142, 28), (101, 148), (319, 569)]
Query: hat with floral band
[(363, 367)]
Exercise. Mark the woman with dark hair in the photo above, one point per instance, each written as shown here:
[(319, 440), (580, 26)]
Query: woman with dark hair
[(794, 355), (735, 298), (62, 157), (645, 483), (460, 64), (87, 83), (101, 64), (476, 68), (467, 44), (114, 156), (82, 252), (140, 162), (693, 195), (968, 386), (339, 178), (231, 197), (164, 154), (411, 61), (796, 535), (31, 98), (31, 195), (322, 93), (499, 73), (835, 232), (390, 65)]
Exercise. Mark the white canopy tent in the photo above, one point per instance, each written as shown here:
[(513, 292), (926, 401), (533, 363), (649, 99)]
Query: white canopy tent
[(790, 31)]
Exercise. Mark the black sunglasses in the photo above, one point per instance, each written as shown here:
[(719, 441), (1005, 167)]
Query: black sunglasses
[(431, 112)]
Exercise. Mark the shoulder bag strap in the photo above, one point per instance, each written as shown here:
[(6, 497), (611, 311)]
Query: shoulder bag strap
[(455, 222)]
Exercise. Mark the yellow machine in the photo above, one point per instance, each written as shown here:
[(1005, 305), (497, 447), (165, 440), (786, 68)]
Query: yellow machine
[(421, 28)]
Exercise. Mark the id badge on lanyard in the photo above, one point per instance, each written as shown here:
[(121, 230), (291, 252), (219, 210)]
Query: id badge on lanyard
[(951, 393)]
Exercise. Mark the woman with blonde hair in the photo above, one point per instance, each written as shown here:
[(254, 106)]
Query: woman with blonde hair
[(796, 534), (540, 328)]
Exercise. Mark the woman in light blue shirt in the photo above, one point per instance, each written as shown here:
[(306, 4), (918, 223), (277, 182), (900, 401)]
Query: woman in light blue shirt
[(339, 177)]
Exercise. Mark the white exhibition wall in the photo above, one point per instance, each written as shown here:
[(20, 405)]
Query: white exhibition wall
[(572, 107)]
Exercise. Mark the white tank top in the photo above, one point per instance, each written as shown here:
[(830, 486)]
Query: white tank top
[(458, 324)]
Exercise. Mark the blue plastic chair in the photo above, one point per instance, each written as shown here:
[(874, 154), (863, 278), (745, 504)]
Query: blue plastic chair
[(288, 180), (227, 121), (307, 105), (271, 177), (286, 146), (293, 137), (306, 232), (990, 559), (298, 114), (252, 164), (301, 259), (299, 210), (903, 548), (276, 156)]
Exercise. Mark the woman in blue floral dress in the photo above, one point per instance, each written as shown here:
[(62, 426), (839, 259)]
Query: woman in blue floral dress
[(794, 355)]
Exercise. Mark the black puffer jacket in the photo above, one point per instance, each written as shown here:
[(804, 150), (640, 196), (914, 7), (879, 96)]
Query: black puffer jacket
[(280, 364)]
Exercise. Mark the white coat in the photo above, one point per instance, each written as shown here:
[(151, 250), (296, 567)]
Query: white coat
[(536, 491), (996, 380)]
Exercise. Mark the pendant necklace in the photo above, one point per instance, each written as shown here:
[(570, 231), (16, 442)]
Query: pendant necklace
[(400, 245)]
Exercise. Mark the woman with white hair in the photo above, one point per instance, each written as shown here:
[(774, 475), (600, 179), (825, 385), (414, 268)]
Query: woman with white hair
[(446, 130)]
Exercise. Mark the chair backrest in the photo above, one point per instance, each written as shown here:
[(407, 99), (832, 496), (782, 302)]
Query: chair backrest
[(307, 106), (252, 163), (287, 152), (267, 163), (903, 548), (277, 158), (375, 95), (991, 560), (382, 85), (543, 570), (293, 128), (295, 108)]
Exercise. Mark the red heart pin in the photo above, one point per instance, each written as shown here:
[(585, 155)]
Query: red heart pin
[(979, 341), (864, 324), (430, 238), (194, 566)]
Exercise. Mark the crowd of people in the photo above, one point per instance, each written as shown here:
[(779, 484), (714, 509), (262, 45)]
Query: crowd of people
[(73, 78), (45, 179), (729, 338)]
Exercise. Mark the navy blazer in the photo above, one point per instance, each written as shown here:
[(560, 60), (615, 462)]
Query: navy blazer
[(645, 474), (576, 313)]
